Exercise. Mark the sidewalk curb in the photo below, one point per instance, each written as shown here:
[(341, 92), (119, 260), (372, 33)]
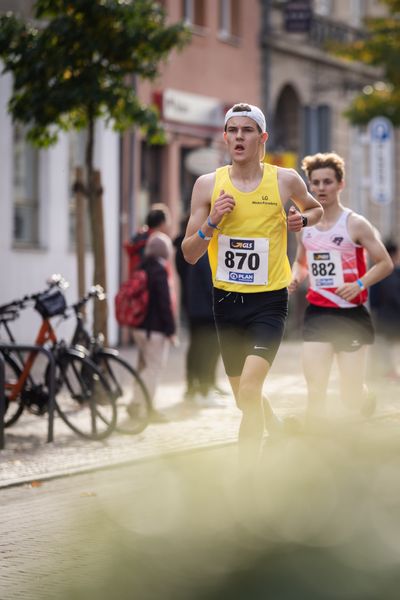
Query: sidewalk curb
[(120, 463)]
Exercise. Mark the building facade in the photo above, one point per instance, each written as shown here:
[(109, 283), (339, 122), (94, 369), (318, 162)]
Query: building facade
[(272, 53), (221, 66), (307, 89)]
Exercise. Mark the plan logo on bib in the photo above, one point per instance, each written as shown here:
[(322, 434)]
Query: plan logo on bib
[(241, 277)]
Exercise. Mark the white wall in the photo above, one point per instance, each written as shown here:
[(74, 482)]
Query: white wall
[(107, 160), (24, 271)]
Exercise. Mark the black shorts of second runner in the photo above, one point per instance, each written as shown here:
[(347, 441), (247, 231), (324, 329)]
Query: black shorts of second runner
[(347, 329), (249, 324)]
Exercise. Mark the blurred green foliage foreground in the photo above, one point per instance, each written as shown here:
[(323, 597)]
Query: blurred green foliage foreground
[(318, 519)]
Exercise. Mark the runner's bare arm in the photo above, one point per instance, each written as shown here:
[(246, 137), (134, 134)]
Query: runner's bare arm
[(362, 233), (193, 245), (292, 187), (299, 267)]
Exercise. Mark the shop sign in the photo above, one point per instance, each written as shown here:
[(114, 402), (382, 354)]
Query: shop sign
[(380, 133), (298, 16), (194, 109), (282, 159)]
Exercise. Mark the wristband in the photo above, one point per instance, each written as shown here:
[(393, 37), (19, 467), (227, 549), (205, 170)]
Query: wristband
[(211, 224), (203, 237), (360, 284)]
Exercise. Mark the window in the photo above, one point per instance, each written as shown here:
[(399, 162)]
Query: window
[(357, 12), (187, 180), (323, 7), (26, 190), (151, 175), (229, 18), (194, 12), (286, 123), (317, 129)]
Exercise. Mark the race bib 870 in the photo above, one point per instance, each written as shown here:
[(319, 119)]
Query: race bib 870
[(242, 260), (325, 269)]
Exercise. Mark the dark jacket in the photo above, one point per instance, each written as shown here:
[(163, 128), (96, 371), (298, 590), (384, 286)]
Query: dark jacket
[(385, 305), (182, 268), (160, 316), (199, 291)]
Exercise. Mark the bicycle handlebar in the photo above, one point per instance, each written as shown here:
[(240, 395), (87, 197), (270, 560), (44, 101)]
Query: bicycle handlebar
[(8, 313), (10, 310), (55, 280), (96, 291), (10, 306)]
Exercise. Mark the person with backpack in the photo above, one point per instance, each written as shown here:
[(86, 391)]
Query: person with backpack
[(154, 335), (158, 219)]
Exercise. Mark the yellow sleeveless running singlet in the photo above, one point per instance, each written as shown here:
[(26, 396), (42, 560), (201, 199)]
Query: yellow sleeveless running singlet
[(249, 251)]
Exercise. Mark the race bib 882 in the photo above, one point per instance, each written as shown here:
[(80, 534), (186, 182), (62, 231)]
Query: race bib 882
[(325, 269)]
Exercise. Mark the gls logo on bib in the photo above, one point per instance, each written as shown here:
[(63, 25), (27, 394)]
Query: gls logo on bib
[(242, 244)]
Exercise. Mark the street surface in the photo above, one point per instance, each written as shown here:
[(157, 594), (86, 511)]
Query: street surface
[(27, 457)]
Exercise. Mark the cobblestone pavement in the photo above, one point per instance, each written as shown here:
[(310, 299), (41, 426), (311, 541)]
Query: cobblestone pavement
[(28, 458)]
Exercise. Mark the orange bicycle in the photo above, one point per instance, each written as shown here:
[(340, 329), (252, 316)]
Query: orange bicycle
[(83, 397)]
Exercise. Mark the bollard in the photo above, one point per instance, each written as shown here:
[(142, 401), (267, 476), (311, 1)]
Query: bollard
[(51, 403), (2, 399)]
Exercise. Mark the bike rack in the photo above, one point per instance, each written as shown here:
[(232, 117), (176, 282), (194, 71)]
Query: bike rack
[(50, 357)]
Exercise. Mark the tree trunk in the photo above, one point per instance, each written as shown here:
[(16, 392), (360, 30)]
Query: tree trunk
[(80, 216), (95, 198)]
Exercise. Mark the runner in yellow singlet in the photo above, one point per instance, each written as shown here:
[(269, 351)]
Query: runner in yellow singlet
[(238, 215)]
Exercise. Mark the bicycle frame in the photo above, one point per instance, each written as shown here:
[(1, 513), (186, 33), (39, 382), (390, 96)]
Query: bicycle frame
[(46, 334), (80, 332)]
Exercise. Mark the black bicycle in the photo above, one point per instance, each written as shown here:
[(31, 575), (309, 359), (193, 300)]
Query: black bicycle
[(84, 399), (127, 388)]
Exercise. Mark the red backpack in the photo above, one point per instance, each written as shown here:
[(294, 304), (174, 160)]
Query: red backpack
[(135, 249), (132, 300)]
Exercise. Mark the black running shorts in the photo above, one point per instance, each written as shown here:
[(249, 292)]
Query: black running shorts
[(347, 329), (249, 324)]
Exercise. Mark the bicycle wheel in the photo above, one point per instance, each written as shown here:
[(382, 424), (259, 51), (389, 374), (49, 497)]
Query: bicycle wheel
[(127, 389), (83, 398), (14, 403)]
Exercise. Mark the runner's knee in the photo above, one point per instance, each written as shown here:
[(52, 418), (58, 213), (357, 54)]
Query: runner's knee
[(249, 394)]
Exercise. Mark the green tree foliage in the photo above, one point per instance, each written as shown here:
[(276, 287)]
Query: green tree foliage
[(74, 64), (380, 48)]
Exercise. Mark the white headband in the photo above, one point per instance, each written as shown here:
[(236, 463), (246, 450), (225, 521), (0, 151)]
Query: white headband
[(254, 113)]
